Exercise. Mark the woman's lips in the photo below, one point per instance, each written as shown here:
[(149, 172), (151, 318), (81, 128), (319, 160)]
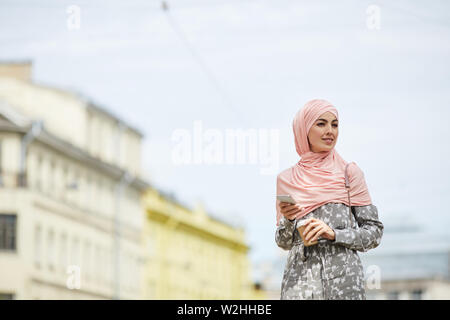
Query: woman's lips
[(328, 141)]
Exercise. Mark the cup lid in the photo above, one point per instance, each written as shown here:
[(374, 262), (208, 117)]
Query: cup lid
[(301, 222)]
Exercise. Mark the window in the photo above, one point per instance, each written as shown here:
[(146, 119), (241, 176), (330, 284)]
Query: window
[(6, 296), (51, 176), (1, 169), (97, 267), (30, 170), (8, 223), (94, 195), (38, 182), (100, 196), (88, 193), (393, 295), (77, 187), (65, 182), (37, 246), (417, 294), (100, 266), (44, 175), (63, 253), (87, 263), (109, 266), (51, 249), (57, 182), (75, 252)]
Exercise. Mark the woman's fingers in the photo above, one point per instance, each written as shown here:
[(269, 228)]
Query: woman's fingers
[(288, 204), (291, 215), (319, 232), (285, 207), (314, 227), (312, 234), (310, 224), (290, 210)]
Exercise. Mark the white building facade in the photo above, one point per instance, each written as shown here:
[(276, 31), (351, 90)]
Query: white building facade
[(70, 195)]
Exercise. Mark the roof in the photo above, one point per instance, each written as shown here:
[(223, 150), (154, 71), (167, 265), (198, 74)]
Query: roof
[(11, 120), (91, 105)]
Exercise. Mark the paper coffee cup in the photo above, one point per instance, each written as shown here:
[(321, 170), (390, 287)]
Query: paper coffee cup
[(301, 228)]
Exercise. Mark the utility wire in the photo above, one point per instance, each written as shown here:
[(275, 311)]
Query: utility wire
[(197, 57)]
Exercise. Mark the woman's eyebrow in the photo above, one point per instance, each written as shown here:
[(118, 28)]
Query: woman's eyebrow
[(326, 120)]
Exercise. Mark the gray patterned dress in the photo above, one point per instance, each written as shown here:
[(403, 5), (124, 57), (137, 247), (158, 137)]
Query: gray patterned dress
[(329, 269)]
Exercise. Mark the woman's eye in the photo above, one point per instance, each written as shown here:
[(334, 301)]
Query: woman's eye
[(320, 124)]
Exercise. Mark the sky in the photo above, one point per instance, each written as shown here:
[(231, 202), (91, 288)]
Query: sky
[(251, 65)]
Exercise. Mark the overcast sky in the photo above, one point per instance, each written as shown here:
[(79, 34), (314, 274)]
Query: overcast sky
[(253, 65)]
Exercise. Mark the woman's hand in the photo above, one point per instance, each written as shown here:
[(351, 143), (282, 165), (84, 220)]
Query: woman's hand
[(316, 228), (289, 210)]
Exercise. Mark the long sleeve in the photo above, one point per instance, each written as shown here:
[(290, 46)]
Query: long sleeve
[(369, 233), (284, 234)]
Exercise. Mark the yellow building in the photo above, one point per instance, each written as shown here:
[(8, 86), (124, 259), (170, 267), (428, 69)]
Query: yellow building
[(70, 189), (192, 255), (72, 221)]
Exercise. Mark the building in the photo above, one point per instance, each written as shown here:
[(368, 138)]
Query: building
[(193, 255), (429, 288), (269, 273), (73, 222), (70, 195), (411, 264)]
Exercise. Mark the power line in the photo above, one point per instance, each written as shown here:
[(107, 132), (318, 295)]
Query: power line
[(197, 57)]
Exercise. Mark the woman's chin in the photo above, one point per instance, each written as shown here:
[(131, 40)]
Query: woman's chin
[(326, 149)]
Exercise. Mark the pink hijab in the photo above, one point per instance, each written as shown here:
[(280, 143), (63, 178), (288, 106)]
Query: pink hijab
[(318, 178)]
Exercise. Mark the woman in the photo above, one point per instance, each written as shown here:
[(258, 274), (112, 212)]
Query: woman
[(330, 269)]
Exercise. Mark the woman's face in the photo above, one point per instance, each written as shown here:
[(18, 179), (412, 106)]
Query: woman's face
[(326, 126)]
